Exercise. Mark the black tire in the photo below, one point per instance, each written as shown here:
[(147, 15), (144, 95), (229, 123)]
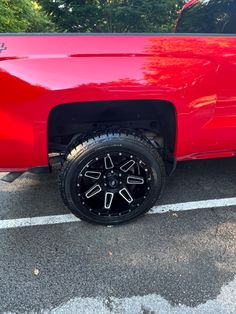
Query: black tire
[(111, 178)]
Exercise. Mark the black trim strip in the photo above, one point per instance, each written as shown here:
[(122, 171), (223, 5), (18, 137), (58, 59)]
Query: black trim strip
[(37, 170)]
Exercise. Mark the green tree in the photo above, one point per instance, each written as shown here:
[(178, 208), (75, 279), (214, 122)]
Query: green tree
[(23, 16), (113, 15)]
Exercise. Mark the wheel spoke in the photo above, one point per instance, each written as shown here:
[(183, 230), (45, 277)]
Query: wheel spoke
[(108, 162), (127, 166), (108, 200), (126, 195), (95, 189), (93, 174), (135, 180)]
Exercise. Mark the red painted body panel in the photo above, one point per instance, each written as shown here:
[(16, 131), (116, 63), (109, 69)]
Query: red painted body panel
[(195, 73), (191, 2)]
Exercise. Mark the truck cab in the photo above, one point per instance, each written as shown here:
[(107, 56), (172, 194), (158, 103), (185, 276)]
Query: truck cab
[(208, 16)]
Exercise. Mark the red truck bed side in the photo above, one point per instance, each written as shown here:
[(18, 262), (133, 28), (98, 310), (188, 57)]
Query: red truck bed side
[(196, 74)]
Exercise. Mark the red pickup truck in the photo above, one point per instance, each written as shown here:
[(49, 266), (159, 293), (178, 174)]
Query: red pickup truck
[(120, 109)]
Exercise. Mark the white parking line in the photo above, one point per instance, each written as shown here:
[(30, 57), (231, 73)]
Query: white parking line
[(37, 221), (222, 202), (60, 219)]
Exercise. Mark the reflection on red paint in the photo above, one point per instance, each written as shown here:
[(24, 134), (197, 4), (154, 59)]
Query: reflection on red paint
[(195, 73)]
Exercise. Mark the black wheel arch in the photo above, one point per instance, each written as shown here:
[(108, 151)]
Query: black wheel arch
[(155, 118)]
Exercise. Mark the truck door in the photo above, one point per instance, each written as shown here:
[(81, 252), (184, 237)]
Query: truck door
[(217, 19)]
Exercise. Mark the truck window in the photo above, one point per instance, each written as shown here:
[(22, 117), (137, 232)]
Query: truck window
[(208, 16)]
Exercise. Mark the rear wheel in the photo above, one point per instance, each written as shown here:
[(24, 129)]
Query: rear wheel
[(111, 178)]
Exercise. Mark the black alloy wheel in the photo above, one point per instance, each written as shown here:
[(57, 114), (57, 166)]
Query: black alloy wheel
[(111, 178)]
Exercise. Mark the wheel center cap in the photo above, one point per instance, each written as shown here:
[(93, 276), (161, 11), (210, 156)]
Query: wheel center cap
[(113, 180), (113, 183)]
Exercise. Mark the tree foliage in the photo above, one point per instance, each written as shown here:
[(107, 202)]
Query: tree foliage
[(113, 15), (23, 16), (88, 15)]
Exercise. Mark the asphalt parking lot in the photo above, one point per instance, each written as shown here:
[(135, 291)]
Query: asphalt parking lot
[(174, 262)]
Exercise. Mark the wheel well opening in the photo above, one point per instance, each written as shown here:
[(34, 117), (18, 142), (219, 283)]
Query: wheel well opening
[(155, 118)]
